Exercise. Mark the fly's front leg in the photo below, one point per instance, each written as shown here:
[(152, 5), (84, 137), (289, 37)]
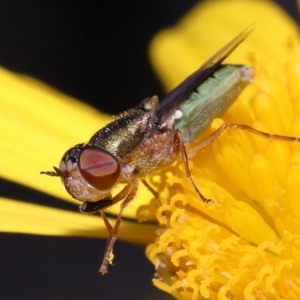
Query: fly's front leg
[(128, 193), (211, 138), (179, 147)]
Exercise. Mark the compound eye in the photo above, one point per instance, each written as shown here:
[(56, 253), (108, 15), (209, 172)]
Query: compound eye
[(99, 168)]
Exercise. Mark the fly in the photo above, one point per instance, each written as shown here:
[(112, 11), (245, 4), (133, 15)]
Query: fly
[(151, 136)]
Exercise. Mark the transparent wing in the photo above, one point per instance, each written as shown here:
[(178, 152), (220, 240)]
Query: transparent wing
[(182, 92)]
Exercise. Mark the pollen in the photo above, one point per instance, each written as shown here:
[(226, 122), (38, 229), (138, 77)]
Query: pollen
[(110, 258)]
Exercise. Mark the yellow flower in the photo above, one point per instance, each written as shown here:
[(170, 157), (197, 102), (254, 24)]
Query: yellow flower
[(246, 244)]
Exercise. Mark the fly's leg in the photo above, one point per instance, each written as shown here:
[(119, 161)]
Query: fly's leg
[(109, 242), (179, 148), (211, 138), (128, 193), (152, 190), (151, 207)]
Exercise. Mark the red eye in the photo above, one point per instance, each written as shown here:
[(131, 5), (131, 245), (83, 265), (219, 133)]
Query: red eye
[(99, 168)]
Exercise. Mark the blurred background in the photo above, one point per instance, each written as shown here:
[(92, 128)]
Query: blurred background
[(98, 53)]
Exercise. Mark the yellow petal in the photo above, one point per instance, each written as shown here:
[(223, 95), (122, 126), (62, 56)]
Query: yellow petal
[(177, 52), (20, 217)]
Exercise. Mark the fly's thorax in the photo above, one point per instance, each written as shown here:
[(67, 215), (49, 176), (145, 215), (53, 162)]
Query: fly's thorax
[(88, 172), (153, 153), (126, 132)]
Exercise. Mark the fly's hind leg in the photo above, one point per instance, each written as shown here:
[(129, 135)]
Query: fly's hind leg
[(211, 138)]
